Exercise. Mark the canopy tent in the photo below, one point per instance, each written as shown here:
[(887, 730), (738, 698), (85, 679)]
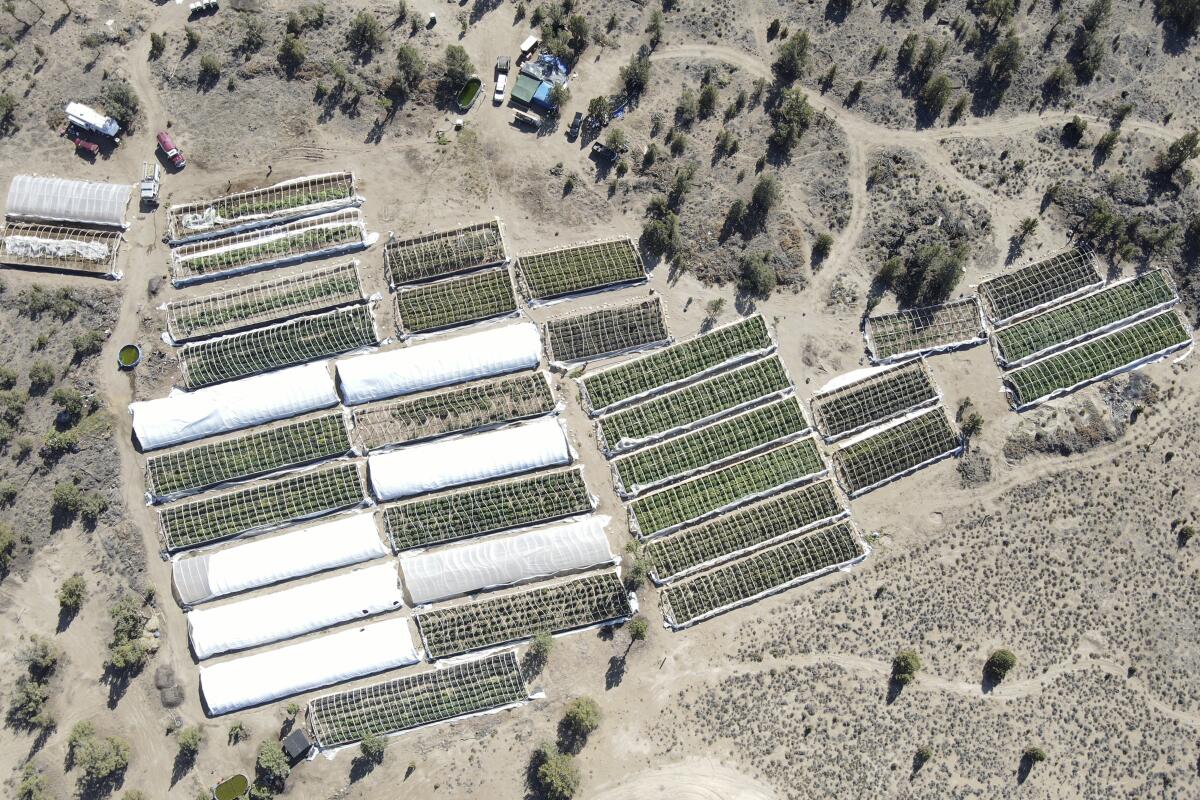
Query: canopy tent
[(294, 612), (335, 658), (525, 87), (492, 562), (346, 540), (184, 416), (468, 459), (61, 200), (377, 376)]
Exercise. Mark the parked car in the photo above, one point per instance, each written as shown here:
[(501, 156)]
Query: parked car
[(529, 118), (604, 152), (501, 85), (83, 144), (576, 124), (173, 153), (502, 65)]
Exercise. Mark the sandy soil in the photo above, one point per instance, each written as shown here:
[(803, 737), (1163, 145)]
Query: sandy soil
[(1070, 560)]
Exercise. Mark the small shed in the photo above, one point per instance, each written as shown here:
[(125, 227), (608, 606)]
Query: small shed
[(296, 745), (525, 88)]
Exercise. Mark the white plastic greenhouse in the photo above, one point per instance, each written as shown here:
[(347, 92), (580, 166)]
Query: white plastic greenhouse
[(294, 612), (338, 657), (346, 540), (34, 197), (377, 376), (468, 459), (543, 552), (184, 416)]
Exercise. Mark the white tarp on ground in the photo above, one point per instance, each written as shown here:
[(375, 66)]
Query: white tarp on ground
[(62, 200), (468, 459), (35, 247), (542, 552), (335, 658), (184, 416), (294, 612), (346, 540), (377, 376)]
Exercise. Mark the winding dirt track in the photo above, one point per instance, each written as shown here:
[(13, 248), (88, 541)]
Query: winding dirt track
[(695, 779), (862, 135)]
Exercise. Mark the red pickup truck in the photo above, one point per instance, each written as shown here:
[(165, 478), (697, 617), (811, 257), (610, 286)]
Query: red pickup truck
[(173, 153)]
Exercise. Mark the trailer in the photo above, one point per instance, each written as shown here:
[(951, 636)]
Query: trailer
[(89, 119)]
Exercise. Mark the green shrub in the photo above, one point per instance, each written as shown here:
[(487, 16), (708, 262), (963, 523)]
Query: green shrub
[(40, 657), (67, 498), (253, 36), (999, 664), (103, 759), (1034, 754), (757, 276), (905, 666), (8, 378), (272, 764), (87, 344), (33, 785), (210, 68), (8, 547), (373, 748), (458, 66), (8, 494), (766, 194), (792, 61), (41, 376), (292, 52), (822, 247), (582, 717), (58, 443), (541, 645), (365, 34), (69, 400), (12, 406), (122, 104), (639, 626), (28, 704), (125, 651), (790, 119), (557, 775), (238, 733), (188, 740), (192, 36), (410, 67), (72, 593)]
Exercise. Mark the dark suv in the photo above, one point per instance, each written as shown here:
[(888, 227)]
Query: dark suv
[(576, 124)]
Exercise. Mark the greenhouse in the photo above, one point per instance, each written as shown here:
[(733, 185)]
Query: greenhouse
[(347, 540), (924, 331), (867, 397), (606, 331), (272, 205), (415, 700), (54, 247), (185, 416), (326, 235), (436, 255), (430, 365), (294, 611), (44, 199), (504, 561), (1040, 285), (903, 446), (326, 660), (468, 459)]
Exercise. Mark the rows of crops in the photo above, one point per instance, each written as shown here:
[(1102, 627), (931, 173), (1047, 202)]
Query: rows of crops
[(876, 398), (652, 466), (453, 411), (873, 460), (606, 331), (920, 331), (414, 700), (697, 403), (455, 301), (580, 268), (487, 508), (694, 548), (264, 302), (246, 456), (765, 571), (691, 500), (286, 344), (305, 495), (1029, 338), (1015, 294), (1096, 358), (509, 618), (676, 364), (436, 255)]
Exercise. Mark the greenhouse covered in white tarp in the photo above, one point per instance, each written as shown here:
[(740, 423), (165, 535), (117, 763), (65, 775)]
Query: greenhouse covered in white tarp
[(468, 459), (346, 540), (184, 416), (296, 611), (492, 562), (61, 200), (377, 376), (335, 658)]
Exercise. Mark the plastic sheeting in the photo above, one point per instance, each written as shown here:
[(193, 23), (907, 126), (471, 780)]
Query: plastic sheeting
[(468, 459), (184, 416), (347, 540), (338, 657), (377, 376), (492, 562), (62, 200), (295, 611)]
